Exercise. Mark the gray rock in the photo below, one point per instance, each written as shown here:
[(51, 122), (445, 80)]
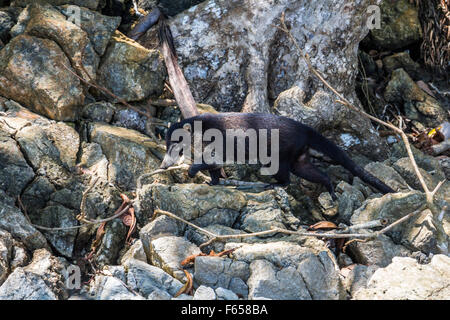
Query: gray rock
[(351, 198), (51, 150), (262, 213), (118, 272), (6, 23), (421, 233), (98, 27), (13, 221), (344, 260), (238, 286), (329, 208), (168, 252), (160, 226), (318, 271), (321, 277), (42, 279), (44, 21), (192, 201), (19, 256), (37, 194), (146, 278), (216, 272), (267, 282), (130, 119), (378, 252), (22, 285), (136, 251), (424, 161), (400, 25), (199, 238), (52, 269), (404, 61), (358, 277), (129, 153), (6, 243), (405, 279), (217, 60), (125, 62), (112, 242), (225, 294), (390, 206), (99, 111), (159, 295), (388, 175), (111, 288), (56, 217), (204, 293), (418, 105), (405, 168), (15, 173)]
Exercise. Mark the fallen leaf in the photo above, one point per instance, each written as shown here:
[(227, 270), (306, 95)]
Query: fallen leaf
[(187, 288), (323, 225), (191, 259)]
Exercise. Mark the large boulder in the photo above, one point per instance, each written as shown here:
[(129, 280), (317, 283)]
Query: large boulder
[(315, 272), (131, 71), (99, 28), (405, 279), (419, 106), (43, 279), (400, 25), (233, 55), (31, 72), (129, 153), (44, 21)]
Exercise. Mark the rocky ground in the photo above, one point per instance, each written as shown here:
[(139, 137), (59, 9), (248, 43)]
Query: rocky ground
[(67, 149)]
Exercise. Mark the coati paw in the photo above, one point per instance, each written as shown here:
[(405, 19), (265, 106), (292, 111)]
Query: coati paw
[(270, 186), (213, 183), (191, 173)]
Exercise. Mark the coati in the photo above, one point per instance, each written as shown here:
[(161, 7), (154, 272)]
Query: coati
[(295, 139)]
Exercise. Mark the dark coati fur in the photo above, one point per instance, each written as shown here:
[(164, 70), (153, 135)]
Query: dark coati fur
[(295, 139)]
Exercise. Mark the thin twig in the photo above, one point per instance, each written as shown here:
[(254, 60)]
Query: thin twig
[(85, 222), (328, 235), (82, 214), (145, 175)]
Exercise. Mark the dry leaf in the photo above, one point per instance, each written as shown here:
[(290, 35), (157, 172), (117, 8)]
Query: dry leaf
[(323, 225)]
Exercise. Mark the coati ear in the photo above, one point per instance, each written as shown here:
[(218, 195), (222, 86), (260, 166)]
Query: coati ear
[(187, 127)]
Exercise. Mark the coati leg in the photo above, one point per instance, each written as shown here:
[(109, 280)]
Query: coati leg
[(282, 176), (303, 168), (215, 174), (214, 171)]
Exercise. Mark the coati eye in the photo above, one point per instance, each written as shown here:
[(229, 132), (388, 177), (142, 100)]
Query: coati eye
[(176, 150)]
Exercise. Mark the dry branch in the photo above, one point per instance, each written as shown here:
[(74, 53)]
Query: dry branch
[(327, 235)]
